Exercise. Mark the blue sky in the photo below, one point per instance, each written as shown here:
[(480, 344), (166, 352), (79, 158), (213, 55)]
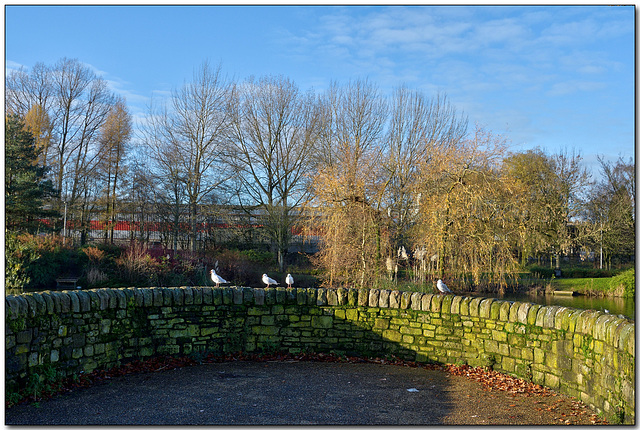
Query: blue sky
[(554, 77)]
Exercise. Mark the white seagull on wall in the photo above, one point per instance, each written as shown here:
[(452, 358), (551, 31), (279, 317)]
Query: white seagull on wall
[(442, 287), (217, 279), (267, 280), (289, 280)]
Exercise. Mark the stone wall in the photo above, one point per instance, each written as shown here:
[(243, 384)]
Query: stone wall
[(586, 354)]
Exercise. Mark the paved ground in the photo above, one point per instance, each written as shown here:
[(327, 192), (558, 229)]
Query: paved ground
[(295, 393)]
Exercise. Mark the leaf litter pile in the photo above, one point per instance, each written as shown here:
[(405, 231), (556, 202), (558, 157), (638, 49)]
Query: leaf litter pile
[(490, 380)]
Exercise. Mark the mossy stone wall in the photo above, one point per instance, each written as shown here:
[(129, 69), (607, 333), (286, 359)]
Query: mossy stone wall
[(586, 354)]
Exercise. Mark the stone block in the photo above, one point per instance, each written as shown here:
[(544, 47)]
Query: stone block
[(156, 296), (247, 295), (113, 298), (352, 314), (523, 312), (455, 304), (12, 307), (485, 308), (374, 298), (363, 297), (32, 306), (464, 306), (381, 324), (207, 296), (425, 302), (24, 336), (383, 301), (268, 320), (227, 296), (415, 301), (445, 306), (550, 317), (291, 294), (311, 296), (258, 296), (332, 297), (321, 297), (301, 296), (49, 301), (121, 298), (627, 339), (129, 296), (551, 380), (197, 295), (394, 299), (41, 305), (405, 300), (324, 322), (540, 316), (513, 311), (237, 295), (281, 295), (188, 296), (65, 302), (392, 335), (138, 299), (352, 297), (505, 310), (436, 303), (342, 296), (474, 306), (216, 295)]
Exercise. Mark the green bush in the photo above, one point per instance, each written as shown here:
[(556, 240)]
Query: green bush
[(261, 257), (541, 272), (36, 261), (627, 280)]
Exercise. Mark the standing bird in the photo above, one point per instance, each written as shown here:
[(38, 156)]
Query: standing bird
[(267, 280), (289, 280), (442, 287), (217, 279)]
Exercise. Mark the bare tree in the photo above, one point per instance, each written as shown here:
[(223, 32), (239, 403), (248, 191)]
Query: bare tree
[(274, 130), (66, 105), (189, 136), (27, 89), (610, 210)]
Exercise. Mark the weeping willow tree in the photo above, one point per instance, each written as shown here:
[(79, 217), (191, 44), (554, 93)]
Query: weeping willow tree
[(466, 212), (348, 185)]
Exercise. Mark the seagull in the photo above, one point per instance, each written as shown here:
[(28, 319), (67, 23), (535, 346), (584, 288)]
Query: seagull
[(267, 280), (289, 280), (216, 278), (442, 287)]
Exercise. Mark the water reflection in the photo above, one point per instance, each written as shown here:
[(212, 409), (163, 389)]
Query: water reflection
[(615, 305)]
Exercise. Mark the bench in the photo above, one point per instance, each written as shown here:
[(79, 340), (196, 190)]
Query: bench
[(68, 281)]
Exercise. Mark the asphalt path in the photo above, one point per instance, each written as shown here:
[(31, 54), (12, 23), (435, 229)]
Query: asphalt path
[(290, 393)]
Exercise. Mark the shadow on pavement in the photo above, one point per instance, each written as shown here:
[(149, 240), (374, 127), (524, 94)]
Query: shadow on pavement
[(254, 393)]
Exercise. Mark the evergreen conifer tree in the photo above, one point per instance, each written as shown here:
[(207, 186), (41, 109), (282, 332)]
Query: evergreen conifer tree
[(26, 186)]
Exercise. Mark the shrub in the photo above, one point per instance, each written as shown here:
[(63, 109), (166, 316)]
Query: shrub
[(36, 261), (626, 280), (541, 272), (137, 267)]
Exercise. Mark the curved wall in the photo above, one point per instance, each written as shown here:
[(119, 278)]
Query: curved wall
[(586, 354)]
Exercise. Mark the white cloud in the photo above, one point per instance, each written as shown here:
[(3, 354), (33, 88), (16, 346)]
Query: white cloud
[(567, 87), (12, 65)]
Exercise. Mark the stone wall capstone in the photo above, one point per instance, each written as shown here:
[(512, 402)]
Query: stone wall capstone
[(583, 353)]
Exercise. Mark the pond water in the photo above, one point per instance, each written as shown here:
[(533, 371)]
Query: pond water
[(615, 305)]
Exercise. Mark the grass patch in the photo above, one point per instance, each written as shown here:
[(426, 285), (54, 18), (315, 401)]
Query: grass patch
[(581, 285)]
